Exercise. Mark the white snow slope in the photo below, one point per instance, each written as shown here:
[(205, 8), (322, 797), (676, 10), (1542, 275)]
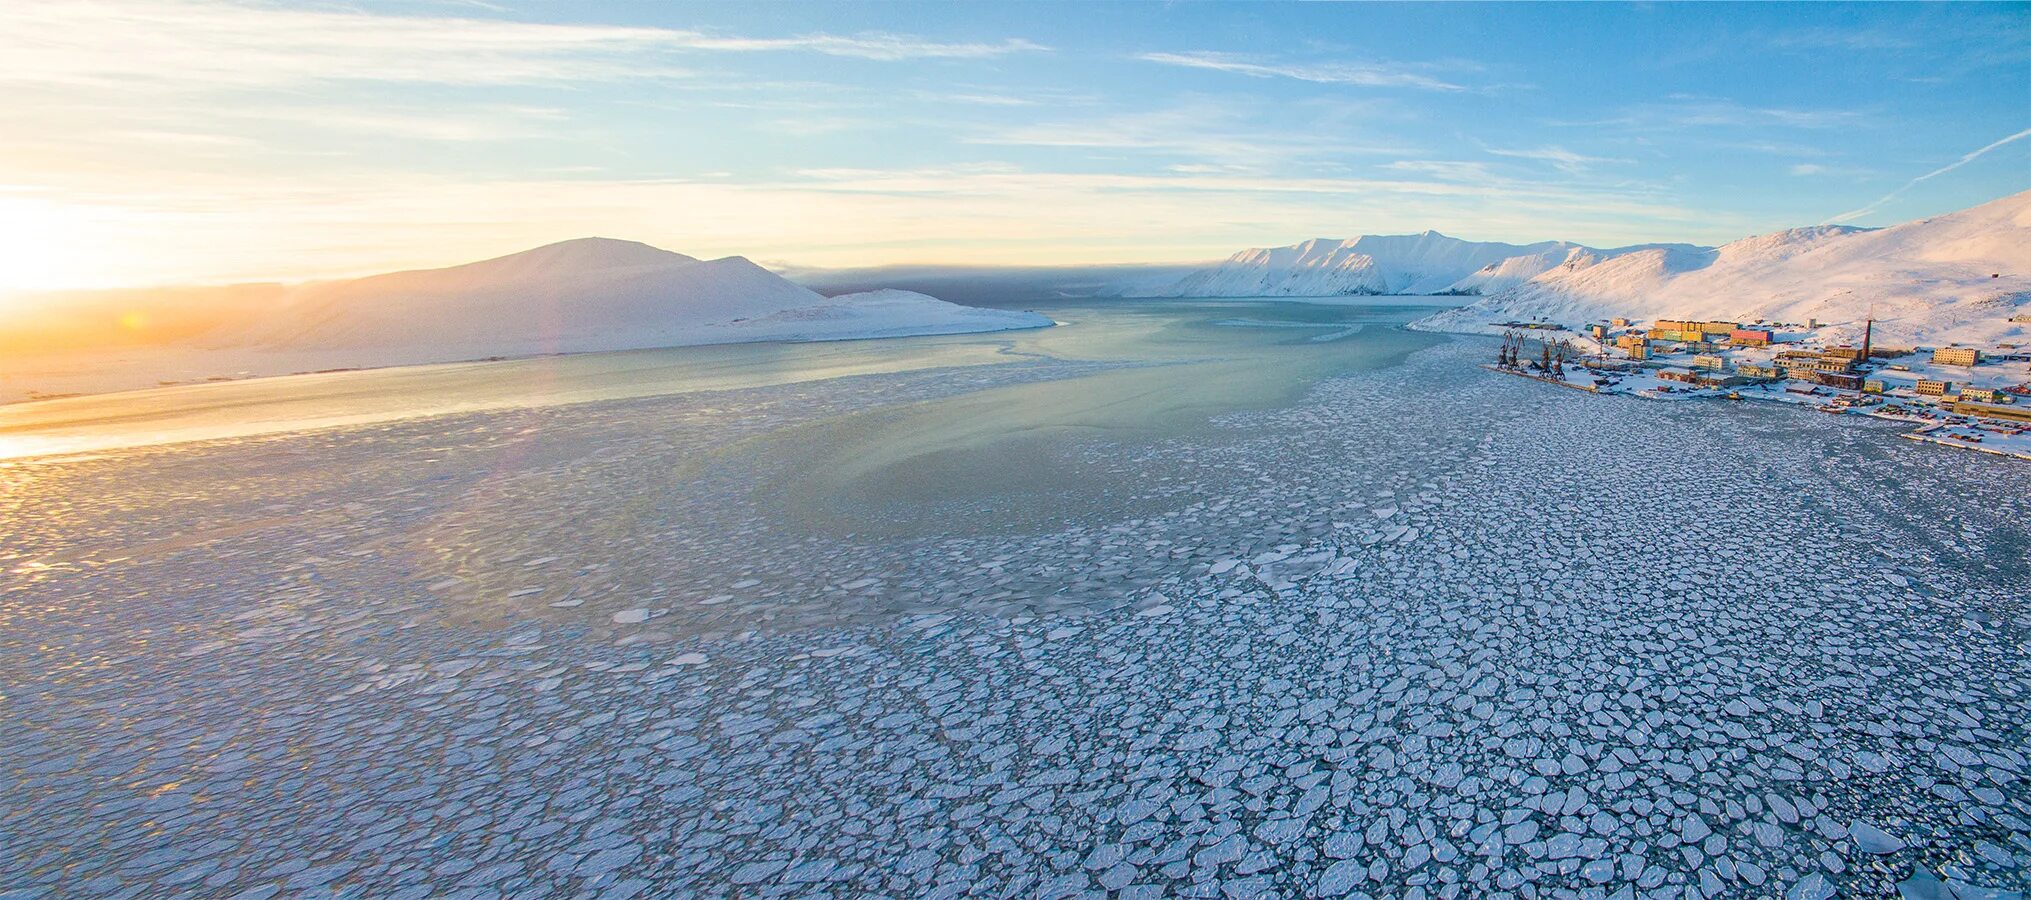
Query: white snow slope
[(590, 294), (1956, 277)]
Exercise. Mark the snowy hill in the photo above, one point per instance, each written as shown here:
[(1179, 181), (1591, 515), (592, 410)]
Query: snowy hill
[(590, 294), (1427, 263), (1955, 277), (582, 295)]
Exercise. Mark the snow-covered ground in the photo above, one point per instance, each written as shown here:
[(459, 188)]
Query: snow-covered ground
[(1427, 632)]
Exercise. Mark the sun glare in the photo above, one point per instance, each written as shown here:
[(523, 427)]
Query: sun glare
[(41, 247)]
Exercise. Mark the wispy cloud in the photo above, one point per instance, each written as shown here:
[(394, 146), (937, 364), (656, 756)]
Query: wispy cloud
[(1966, 158), (1840, 39), (1822, 170), (1203, 129), (205, 43), (1684, 111), (1360, 74), (247, 226), (1564, 160)]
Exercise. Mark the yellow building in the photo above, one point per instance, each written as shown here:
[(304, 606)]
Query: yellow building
[(1931, 388), (1709, 362), (1956, 356), (1991, 412), (1984, 395)]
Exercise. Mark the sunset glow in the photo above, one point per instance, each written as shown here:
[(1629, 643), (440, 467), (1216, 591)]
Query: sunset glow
[(206, 141)]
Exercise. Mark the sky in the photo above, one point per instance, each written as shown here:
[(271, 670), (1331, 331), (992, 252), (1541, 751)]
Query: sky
[(210, 142)]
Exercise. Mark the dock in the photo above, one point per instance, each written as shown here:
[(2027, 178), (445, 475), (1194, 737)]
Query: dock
[(1522, 374)]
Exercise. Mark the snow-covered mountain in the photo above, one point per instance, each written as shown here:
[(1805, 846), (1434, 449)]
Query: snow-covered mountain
[(1427, 263), (1955, 277), (589, 294)]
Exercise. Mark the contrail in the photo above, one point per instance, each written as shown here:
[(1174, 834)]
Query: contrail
[(1942, 170)]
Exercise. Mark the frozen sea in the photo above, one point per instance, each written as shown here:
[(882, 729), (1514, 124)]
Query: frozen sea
[(1222, 598)]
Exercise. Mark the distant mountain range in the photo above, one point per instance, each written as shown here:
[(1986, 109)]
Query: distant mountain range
[(1427, 263), (1959, 276)]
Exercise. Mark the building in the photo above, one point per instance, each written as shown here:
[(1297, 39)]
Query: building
[(1751, 337), (1984, 395), (1831, 363), (1796, 363), (1709, 361), (1956, 356), (1674, 334), (1678, 330), (1874, 386), (1719, 329), (1930, 388), (1619, 322), (1600, 332), (1701, 379), (1851, 354), (1755, 371), (1992, 412), (1842, 380)]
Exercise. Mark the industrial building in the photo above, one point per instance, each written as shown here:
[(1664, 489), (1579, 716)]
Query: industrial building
[(2012, 413)]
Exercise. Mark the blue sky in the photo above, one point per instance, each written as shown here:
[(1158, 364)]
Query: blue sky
[(212, 141)]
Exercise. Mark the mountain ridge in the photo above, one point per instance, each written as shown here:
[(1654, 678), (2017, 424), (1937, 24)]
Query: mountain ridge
[(1427, 262), (1958, 276)]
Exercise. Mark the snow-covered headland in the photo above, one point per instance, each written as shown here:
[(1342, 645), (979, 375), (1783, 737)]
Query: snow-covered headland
[(591, 294)]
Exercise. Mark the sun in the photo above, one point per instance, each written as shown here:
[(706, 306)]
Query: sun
[(42, 246)]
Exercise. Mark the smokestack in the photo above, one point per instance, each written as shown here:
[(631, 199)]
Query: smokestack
[(1868, 330)]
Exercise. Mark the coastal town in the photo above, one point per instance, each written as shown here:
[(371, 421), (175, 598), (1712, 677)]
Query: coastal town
[(1975, 398)]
